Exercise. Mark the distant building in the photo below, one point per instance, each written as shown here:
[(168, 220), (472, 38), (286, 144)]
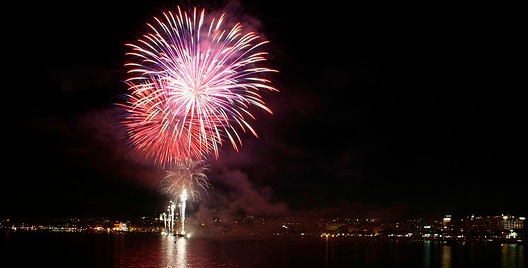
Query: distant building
[(512, 223), (120, 227)]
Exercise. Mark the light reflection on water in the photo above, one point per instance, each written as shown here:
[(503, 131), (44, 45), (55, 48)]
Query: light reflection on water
[(446, 256), (473, 254), (513, 256), (156, 250), (174, 251)]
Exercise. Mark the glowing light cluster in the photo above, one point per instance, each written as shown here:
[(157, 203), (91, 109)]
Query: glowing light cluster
[(192, 84)]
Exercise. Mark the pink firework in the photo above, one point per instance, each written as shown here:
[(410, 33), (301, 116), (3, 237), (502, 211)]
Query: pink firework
[(193, 84)]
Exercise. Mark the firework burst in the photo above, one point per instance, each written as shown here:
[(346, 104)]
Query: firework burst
[(186, 176), (193, 82)]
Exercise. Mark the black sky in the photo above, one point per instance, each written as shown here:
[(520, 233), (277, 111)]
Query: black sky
[(383, 110)]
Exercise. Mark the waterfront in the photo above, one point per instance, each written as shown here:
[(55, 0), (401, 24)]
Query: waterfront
[(26, 249)]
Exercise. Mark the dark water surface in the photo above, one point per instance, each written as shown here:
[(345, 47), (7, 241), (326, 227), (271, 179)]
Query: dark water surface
[(19, 249)]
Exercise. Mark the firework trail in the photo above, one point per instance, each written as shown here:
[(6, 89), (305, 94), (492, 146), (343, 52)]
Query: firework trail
[(183, 204), (185, 177), (193, 81)]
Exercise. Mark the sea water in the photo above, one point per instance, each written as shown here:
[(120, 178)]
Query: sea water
[(34, 249)]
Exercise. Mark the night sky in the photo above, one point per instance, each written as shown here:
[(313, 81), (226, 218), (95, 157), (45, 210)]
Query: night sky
[(382, 111)]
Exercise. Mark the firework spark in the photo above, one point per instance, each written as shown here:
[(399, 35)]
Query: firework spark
[(193, 83), (186, 176)]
